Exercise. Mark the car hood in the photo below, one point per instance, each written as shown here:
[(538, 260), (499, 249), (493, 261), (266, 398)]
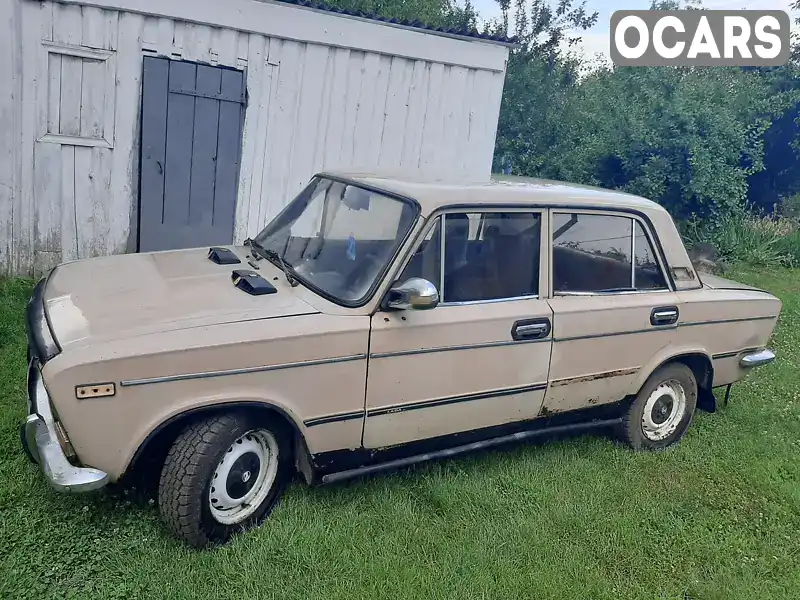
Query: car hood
[(120, 296)]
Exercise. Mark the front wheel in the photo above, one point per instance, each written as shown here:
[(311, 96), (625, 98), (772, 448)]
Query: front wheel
[(222, 475), (662, 410)]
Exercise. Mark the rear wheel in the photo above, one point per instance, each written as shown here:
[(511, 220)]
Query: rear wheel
[(222, 475), (662, 410)]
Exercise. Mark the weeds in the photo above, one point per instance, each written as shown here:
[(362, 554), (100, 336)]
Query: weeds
[(744, 237)]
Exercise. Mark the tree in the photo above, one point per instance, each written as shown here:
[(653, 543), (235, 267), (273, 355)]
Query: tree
[(434, 13)]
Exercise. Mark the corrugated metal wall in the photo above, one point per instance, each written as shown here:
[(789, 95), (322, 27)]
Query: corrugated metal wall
[(69, 188)]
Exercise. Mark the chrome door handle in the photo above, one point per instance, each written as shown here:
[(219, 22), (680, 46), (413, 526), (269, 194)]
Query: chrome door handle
[(664, 315), (528, 329)]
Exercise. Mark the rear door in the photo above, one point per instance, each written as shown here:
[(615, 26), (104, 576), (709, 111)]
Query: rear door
[(481, 357), (613, 308)]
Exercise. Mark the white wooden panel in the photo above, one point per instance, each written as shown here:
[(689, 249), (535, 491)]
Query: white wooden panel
[(9, 125), (69, 221), (111, 33), (53, 71), (324, 111), (67, 23), (93, 106), (47, 157), (489, 120), (149, 34), (394, 124), (254, 138), (47, 193), (452, 123), (24, 208), (322, 27), (367, 87), (165, 30), (337, 109), (226, 46), (355, 73), (197, 43), (68, 29), (415, 121), (244, 48), (374, 133), (478, 127), (282, 124), (432, 124), (464, 150), (122, 200), (92, 190), (93, 27), (307, 133), (86, 229), (177, 39)]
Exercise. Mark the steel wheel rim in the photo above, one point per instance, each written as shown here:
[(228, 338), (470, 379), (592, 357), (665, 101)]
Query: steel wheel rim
[(663, 410), (244, 477)]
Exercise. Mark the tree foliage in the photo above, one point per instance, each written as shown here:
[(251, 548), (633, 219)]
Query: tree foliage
[(434, 13), (698, 140)]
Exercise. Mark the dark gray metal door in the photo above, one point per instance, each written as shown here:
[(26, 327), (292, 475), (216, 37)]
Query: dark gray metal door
[(192, 118)]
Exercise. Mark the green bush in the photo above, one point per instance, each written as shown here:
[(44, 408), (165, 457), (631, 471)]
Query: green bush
[(741, 236)]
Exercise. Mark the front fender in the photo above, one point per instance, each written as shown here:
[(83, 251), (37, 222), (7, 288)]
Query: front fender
[(164, 419)]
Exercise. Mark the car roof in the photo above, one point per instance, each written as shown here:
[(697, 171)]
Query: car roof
[(499, 190)]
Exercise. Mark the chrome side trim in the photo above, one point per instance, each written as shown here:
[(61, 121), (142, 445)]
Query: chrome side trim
[(659, 328), (718, 321), (243, 371), (335, 418), (623, 293), (375, 412), (733, 353), (490, 300), (458, 347), (762, 357), (615, 333)]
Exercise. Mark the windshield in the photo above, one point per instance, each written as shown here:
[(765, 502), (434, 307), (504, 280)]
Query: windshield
[(338, 237)]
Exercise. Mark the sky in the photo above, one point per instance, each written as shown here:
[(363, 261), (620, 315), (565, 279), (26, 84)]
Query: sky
[(596, 40)]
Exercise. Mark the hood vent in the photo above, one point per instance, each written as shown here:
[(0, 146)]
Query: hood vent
[(252, 283), (222, 256)]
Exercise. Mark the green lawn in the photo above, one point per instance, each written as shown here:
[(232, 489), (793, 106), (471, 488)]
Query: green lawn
[(716, 517)]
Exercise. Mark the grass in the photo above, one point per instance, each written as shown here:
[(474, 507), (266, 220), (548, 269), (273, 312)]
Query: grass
[(743, 237), (715, 518)]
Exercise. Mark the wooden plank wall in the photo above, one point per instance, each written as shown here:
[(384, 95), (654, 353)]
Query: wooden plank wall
[(69, 174)]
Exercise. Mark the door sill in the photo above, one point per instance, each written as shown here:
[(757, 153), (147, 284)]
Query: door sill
[(520, 436)]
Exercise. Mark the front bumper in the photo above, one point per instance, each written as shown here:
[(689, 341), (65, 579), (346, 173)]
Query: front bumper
[(41, 442), (755, 359)]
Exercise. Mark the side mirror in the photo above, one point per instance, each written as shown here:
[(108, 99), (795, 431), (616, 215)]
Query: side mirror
[(415, 293)]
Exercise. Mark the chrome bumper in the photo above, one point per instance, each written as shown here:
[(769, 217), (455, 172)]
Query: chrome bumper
[(42, 443), (754, 359)]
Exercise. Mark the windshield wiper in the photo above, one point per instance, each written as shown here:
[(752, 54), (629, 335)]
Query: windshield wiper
[(273, 257)]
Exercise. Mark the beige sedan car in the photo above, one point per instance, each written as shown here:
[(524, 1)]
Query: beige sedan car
[(377, 323)]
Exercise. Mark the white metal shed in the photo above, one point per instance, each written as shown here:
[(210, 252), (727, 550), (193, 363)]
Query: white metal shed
[(243, 100)]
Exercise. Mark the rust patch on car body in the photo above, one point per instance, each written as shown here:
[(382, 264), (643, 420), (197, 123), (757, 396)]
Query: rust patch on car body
[(594, 377), (547, 412)]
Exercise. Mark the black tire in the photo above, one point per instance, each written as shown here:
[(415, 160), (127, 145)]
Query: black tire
[(632, 429), (188, 471)]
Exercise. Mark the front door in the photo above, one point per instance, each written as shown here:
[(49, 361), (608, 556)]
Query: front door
[(481, 357), (612, 307), (192, 119)]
